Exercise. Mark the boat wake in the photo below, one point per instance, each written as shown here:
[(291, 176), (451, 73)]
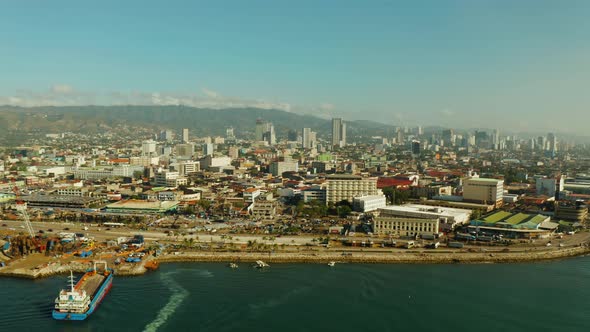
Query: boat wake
[(178, 295)]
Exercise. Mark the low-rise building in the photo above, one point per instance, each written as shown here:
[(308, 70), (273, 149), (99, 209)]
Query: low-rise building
[(369, 203), (449, 218), (398, 226), (264, 210), (140, 206)]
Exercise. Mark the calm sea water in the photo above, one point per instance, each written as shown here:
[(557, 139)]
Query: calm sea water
[(548, 296)]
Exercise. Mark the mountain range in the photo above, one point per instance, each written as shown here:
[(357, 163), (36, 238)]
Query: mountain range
[(200, 121)]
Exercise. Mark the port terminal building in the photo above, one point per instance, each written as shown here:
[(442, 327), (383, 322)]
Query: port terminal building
[(415, 219), (141, 206), (514, 225)]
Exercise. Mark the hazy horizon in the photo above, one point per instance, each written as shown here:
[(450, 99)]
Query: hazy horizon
[(518, 66)]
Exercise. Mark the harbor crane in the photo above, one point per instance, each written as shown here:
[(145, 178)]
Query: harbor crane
[(21, 207)]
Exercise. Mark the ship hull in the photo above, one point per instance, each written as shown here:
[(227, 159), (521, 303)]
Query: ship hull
[(97, 299)]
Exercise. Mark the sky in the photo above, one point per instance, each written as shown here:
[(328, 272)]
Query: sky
[(520, 65)]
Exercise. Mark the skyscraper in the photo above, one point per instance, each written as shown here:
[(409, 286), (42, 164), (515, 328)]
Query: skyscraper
[(552, 143), (185, 135), (307, 139), (260, 129), (265, 131), (148, 148), (416, 147), (338, 132)]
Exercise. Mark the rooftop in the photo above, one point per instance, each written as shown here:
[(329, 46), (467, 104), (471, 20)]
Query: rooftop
[(134, 204)]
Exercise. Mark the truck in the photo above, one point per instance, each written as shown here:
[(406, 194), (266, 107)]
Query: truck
[(457, 245), (465, 236), (428, 236)]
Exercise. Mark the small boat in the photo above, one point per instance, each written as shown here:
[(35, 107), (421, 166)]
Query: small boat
[(152, 265), (261, 265), (331, 264), (233, 265)]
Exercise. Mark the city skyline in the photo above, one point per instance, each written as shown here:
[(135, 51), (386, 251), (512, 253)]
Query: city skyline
[(455, 64)]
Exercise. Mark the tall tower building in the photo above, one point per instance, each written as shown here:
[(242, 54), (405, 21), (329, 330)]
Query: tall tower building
[(260, 129), (265, 131), (229, 133), (148, 148), (185, 135), (552, 143), (338, 132), (306, 138), (416, 147)]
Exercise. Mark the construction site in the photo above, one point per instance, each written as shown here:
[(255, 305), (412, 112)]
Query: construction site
[(26, 253)]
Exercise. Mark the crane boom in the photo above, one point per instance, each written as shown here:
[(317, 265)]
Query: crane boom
[(22, 208)]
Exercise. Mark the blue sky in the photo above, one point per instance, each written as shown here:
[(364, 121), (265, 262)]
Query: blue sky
[(465, 63)]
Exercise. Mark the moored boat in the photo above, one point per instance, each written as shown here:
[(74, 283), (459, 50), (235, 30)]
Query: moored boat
[(81, 300)]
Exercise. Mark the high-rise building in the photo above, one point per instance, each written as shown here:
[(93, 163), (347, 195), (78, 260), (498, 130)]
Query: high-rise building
[(308, 138), (496, 139), (416, 148), (552, 143), (233, 152), (185, 150), (345, 187), (419, 131), (338, 132), (448, 137), (549, 186), (166, 135), (260, 129), (265, 131), (277, 168), (185, 135), (486, 191), (541, 143), (148, 148), (208, 149)]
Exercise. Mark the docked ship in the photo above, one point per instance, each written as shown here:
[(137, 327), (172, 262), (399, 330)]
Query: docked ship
[(81, 299)]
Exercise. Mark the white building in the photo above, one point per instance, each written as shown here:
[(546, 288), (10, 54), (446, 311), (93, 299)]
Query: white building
[(148, 148), (250, 194), (549, 186), (484, 191), (279, 167), (338, 132), (369, 203), (448, 218), (144, 161), (210, 161), (187, 167), (166, 178), (341, 187), (308, 138), (397, 226), (185, 137)]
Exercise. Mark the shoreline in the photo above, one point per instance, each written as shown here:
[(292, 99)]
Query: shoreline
[(360, 257), (379, 258)]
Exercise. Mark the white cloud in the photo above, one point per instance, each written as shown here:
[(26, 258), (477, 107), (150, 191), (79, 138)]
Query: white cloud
[(65, 95), (327, 107), (61, 89), (210, 93), (447, 112)]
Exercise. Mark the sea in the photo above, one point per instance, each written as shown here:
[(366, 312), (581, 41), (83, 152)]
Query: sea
[(543, 296)]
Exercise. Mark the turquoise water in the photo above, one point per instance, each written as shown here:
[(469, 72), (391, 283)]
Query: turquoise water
[(548, 296)]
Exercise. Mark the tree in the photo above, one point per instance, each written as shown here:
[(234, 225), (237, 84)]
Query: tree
[(343, 211)]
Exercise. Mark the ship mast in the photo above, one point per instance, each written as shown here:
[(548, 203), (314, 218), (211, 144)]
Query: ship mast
[(72, 280)]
